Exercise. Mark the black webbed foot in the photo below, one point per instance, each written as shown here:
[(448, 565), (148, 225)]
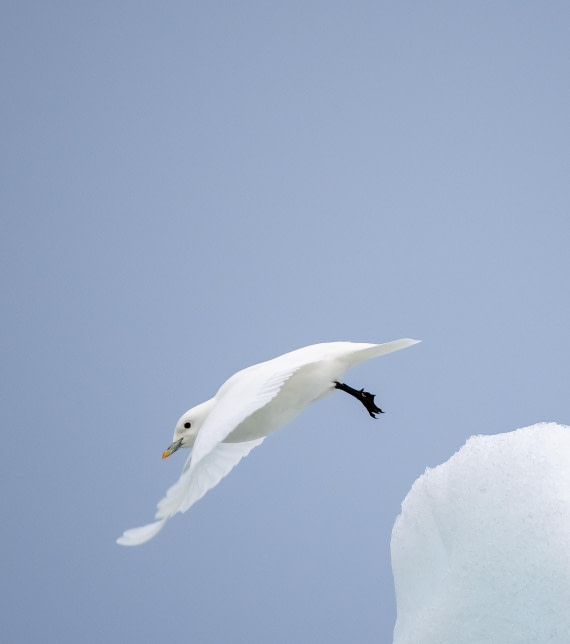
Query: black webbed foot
[(365, 397)]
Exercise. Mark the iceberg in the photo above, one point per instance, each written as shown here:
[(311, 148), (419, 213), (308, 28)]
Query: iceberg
[(481, 549)]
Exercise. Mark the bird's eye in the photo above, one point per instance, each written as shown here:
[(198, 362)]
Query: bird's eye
[(187, 425)]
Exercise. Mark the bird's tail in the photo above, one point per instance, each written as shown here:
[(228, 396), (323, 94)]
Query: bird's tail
[(370, 351)]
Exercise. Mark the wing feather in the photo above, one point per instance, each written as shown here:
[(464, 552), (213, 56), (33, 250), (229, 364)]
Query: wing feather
[(198, 478), (238, 399), (194, 482), (136, 536)]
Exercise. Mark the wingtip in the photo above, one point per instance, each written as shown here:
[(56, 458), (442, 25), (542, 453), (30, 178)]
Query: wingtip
[(137, 536)]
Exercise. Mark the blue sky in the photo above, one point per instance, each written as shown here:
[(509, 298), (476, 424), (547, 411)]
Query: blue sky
[(189, 188)]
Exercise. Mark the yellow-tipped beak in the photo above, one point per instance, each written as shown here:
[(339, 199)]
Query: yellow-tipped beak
[(172, 448)]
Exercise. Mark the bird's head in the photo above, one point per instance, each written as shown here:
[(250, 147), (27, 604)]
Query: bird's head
[(187, 427)]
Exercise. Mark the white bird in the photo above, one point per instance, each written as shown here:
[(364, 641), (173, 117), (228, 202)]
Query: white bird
[(250, 405)]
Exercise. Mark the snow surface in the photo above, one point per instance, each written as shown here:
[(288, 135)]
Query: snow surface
[(481, 550)]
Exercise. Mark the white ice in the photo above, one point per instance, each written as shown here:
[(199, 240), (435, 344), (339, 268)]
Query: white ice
[(481, 550), (250, 405)]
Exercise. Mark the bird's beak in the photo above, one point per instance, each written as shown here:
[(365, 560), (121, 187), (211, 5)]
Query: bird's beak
[(170, 450)]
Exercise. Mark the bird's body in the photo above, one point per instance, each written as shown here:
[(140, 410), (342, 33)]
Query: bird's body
[(250, 405)]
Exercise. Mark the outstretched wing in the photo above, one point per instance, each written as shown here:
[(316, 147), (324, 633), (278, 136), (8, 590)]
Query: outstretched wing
[(193, 483), (197, 479)]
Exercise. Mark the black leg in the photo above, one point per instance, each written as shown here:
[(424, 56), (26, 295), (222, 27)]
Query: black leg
[(367, 399)]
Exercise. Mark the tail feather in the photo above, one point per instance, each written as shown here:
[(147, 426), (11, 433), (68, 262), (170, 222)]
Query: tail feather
[(376, 350)]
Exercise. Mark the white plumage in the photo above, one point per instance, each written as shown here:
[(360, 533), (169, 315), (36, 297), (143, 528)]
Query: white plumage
[(250, 405)]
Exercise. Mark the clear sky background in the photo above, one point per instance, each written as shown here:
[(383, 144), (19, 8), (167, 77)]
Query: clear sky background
[(192, 187)]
